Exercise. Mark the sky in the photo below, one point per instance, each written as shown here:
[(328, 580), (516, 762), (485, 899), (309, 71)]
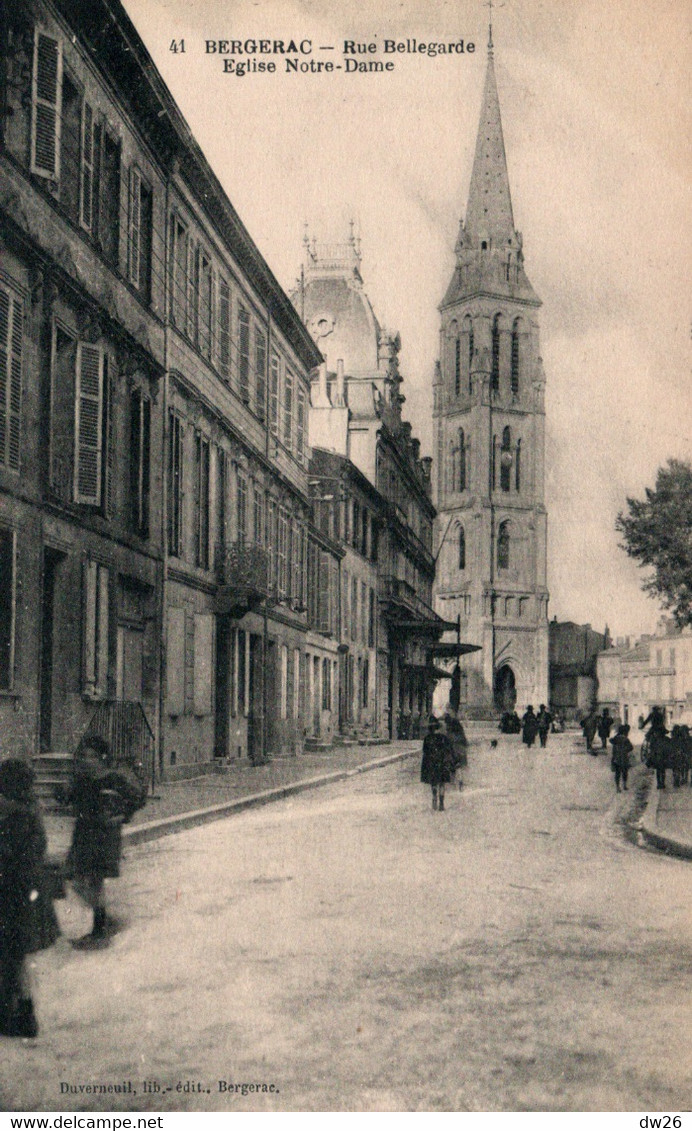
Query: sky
[(595, 101)]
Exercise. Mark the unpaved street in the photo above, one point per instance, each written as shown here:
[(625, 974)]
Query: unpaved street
[(358, 951)]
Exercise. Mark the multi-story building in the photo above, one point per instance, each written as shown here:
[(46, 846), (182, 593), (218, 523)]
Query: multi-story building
[(153, 418), (355, 413), (349, 508), (320, 681), (236, 487), (655, 671), (573, 649), (82, 312), (489, 418)]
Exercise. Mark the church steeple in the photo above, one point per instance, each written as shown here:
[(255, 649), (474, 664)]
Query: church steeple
[(489, 210), (489, 252)]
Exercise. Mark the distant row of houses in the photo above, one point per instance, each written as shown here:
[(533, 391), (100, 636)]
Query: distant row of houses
[(180, 556), (588, 669)]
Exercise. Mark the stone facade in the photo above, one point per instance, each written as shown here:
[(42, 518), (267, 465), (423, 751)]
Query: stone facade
[(489, 417), (356, 420), (655, 671)]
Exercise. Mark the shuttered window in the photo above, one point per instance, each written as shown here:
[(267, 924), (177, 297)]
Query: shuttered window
[(89, 414), (288, 408), (244, 353), (87, 163), (175, 485), (300, 426), (260, 373), (324, 593), (11, 332), (274, 395), (46, 106), (134, 228), (140, 461), (95, 629), (204, 299), (203, 663), (8, 607), (175, 662), (224, 328)]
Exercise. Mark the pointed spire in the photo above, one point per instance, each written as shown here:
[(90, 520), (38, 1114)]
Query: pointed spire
[(489, 210)]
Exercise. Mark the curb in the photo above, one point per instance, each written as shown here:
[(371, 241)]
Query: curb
[(153, 830), (647, 827)]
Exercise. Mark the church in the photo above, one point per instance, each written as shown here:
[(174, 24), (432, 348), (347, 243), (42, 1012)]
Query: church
[(489, 450)]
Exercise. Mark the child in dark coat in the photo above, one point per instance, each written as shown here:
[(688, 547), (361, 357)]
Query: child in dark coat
[(27, 919), (438, 763), (620, 761), (103, 797)]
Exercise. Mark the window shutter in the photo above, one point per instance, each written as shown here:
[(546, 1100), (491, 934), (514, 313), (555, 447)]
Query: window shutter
[(244, 353), (274, 396), (46, 106), (203, 663), (175, 662), (134, 241), (224, 328), (11, 332), (102, 632), (324, 592), (190, 299), (86, 209), (108, 495), (89, 413), (90, 580)]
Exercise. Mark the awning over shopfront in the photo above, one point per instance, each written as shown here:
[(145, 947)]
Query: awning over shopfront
[(451, 650)]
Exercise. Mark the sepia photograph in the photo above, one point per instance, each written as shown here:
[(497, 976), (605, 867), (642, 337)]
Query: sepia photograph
[(345, 559)]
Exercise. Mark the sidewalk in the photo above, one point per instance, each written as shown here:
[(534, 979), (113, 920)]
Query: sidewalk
[(666, 823), (667, 820), (181, 804)]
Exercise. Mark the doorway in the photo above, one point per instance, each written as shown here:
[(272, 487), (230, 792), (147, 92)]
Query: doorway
[(51, 563), (505, 689)]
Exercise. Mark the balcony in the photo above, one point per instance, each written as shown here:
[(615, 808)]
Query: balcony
[(242, 578), (405, 611)]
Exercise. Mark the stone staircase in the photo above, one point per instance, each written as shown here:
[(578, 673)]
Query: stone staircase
[(52, 769)]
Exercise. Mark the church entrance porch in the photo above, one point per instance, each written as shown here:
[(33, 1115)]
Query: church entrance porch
[(505, 690)]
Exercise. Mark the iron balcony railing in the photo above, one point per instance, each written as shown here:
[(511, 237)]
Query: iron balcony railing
[(242, 576), (125, 727), (398, 593)]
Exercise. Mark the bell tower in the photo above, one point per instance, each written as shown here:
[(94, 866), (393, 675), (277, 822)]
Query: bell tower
[(489, 422)]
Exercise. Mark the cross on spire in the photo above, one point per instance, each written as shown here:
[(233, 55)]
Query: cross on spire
[(489, 6)]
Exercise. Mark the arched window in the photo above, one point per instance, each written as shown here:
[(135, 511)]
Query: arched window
[(453, 466), (457, 367), (461, 480), (470, 355), (506, 460), (503, 546), (517, 467), (462, 548), (495, 366), (494, 461), (508, 266)]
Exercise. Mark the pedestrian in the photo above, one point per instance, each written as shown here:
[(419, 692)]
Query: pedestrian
[(529, 725), (680, 754), (620, 761), (27, 919), (456, 735), (589, 727), (543, 722), (103, 797), (438, 762), (606, 722), (658, 744)]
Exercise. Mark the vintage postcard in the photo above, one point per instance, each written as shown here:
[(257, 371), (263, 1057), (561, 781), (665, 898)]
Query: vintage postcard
[(345, 409)]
